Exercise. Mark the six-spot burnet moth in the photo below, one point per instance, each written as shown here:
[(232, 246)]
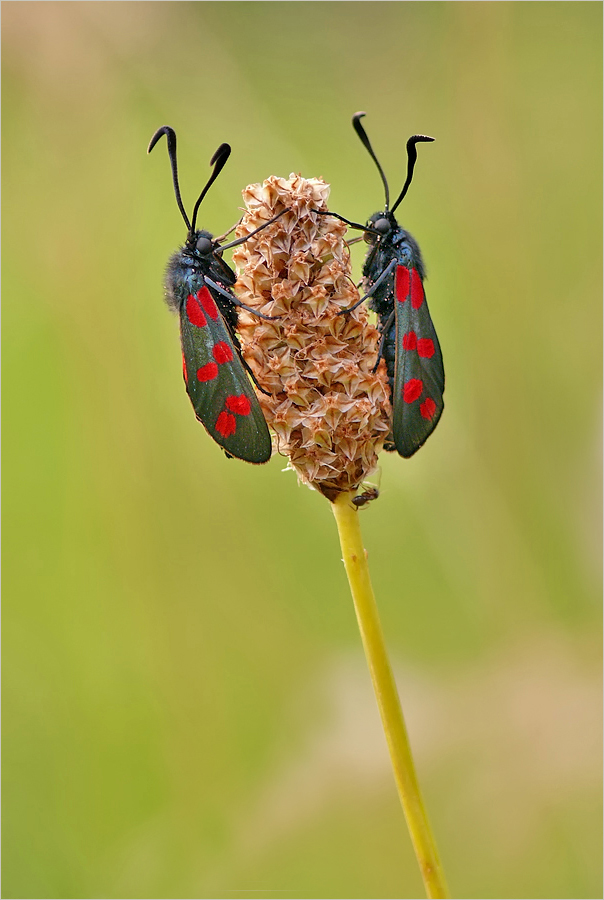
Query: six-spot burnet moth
[(393, 276), (198, 287)]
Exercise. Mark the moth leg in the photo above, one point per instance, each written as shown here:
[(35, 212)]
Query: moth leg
[(233, 299), (246, 237), (244, 363), (366, 228), (253, 377), (246, 366), (230, 231), (383, 329), (371, 256), (391, 265)]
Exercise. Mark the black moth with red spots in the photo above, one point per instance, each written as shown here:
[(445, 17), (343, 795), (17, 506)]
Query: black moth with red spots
[(216, 381), (198, 287), (409, 343), (393, 276)]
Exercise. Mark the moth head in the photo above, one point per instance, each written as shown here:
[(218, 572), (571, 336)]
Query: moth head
[(380, 222), (203, 243)]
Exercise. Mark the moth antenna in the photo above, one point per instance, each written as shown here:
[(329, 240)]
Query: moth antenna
[(411, 159), (218, 161), (171, 139), (356, 124)]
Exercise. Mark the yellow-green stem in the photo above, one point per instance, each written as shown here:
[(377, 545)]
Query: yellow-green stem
[(357, 569)]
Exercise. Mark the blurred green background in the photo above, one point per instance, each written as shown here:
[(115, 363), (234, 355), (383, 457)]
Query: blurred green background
[(187, 711)]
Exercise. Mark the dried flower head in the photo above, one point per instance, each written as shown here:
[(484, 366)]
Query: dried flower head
[(330, 412)]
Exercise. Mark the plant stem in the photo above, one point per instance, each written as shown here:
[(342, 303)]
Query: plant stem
[(357, 569)]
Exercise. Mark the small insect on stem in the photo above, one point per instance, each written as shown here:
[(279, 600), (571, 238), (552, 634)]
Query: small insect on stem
[(366, 497), (369, 490)]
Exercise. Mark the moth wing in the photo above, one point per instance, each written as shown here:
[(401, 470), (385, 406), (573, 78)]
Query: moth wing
[(217, 383), (419, 376)]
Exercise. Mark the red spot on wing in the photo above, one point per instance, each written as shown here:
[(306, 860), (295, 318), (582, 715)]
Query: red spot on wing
[(412, 389), (194, 312), (221, 352), (184, 369), (417, 290), (226, 424), (402, 283), (240, 405), (409, 341), (425, 348), (207, 372), (428, 408), (207, 301)]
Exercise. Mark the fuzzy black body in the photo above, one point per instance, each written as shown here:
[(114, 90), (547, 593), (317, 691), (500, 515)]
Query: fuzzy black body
[(409, 345), (215, 373), (186, 263), (400, 245)]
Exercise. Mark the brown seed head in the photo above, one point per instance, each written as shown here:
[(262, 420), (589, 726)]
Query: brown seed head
[(330, 412)]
